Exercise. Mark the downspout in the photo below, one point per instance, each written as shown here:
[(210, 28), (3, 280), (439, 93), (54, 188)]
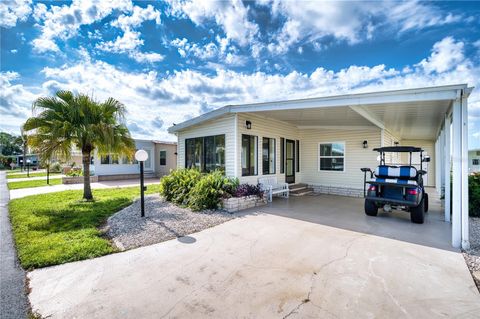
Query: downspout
[(235, 146)]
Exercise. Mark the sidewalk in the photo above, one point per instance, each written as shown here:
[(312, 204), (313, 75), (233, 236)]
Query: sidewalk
[(23, 192), (13, 302), (37, 178)]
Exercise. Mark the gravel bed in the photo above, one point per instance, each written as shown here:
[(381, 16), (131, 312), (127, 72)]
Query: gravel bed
[(162, 221), (472, 256)]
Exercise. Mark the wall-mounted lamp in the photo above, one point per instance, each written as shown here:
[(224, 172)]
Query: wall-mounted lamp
[(396, 143), (365, 144), (248, 125)]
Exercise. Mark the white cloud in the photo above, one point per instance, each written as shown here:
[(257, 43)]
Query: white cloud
[(231, 15), (152, 99), (130, 42), (63, 22), (446, 54), (350, 21), (12, 11), (15, 102)]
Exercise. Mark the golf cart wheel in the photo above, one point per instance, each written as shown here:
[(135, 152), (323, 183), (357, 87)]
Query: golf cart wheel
[(417, 214), (371, 208), (425, 198)]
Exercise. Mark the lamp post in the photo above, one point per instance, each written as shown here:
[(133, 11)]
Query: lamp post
[(28, 167), (141, 156)]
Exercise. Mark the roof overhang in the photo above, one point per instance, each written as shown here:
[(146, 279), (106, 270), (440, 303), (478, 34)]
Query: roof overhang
[(356, 102)]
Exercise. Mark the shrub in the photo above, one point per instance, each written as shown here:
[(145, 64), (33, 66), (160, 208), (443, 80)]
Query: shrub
[(248, 190), (55, 167), (75, 171), (176, 186), (209, 190), (474, 194)]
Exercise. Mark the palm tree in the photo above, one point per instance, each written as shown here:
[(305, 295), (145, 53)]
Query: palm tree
[(66, 120)]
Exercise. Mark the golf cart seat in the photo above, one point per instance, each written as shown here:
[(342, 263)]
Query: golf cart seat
[(403, 175)]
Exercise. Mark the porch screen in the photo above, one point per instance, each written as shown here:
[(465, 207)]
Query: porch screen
[(331, 156), (268, 156), (249, 155), (205, 153)]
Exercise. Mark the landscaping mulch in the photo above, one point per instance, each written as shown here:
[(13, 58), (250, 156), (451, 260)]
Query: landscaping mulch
[(472, 256), (163, 221)]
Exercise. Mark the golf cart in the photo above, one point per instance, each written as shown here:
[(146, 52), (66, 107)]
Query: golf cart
[(396, 187)]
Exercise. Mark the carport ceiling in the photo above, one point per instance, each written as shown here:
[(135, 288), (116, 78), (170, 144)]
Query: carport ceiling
[(419, 120)]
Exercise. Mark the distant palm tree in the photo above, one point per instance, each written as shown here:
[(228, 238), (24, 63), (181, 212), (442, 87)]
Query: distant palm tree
[(66, 120)]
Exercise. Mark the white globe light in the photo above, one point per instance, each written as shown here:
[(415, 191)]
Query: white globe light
[(141, 155)]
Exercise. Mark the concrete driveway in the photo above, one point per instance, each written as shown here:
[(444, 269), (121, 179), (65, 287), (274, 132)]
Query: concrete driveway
[(262, 265)]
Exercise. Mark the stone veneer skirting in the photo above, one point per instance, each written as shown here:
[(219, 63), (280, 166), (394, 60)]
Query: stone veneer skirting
[(77, 179), (118, 177), (335, 190), (235, 204)]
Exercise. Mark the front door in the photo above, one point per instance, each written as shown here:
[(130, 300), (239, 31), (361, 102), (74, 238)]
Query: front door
[(290, 161)]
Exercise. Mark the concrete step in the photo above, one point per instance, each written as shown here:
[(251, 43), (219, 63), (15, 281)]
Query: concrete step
[(298, 186), (301, 192)]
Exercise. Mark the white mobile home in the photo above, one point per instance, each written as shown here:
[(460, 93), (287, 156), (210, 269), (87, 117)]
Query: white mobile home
[(161, 159), (323, 142), (474, 161)]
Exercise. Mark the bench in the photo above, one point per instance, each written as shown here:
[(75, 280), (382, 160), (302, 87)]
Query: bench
[(271, 187)]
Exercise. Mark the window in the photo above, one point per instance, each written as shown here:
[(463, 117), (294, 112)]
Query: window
[(268, 156), (126, 160), (205, 153), (297, 156), (282, 155), (114, 159), (475, 161), (331, 156), (249, 155), (163, 158), (105, 159)]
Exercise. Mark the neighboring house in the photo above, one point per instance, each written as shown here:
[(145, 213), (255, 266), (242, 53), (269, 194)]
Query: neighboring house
[(474, 161), (32, 160), (323, 142), (161, 159)]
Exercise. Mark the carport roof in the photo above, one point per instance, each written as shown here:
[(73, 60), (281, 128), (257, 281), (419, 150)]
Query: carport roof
[(411, 113)]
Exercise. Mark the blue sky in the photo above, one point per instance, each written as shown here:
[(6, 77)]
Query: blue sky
[(170, 61)]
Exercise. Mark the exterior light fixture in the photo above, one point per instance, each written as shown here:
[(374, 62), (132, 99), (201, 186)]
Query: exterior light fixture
[(141, 156), (365, 144), (248, 125), (396, 143)]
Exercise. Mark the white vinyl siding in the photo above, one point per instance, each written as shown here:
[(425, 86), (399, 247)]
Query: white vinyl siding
[(266, 127), (429, 148), (356, 156), (223, 125)]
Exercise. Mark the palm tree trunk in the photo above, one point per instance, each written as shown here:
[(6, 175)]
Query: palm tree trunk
[(87, 191)]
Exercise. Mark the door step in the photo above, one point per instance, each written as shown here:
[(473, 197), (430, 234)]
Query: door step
[(300, 190)]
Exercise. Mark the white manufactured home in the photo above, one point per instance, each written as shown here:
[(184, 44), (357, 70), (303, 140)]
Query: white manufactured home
[(323, 142), (162, 157), (474, 161)]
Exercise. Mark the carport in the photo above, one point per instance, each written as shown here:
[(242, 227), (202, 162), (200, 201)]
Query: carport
[(437, 115)]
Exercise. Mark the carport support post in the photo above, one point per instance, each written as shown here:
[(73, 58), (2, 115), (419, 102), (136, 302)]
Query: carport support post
[(448, 167), (457, 174), (464, 127)]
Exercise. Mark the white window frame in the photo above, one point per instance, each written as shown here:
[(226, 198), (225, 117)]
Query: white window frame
[(344, 156), (159, 157)]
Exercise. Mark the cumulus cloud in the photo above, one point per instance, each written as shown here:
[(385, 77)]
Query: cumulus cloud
[(63, 22), (15, 101), (156, 102), (232, 16), (12, 11), (446, 54), (130, 42), (310, 21)]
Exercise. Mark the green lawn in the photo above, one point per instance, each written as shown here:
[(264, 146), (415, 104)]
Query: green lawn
[(34, 183), (34, 174), (56, 228)]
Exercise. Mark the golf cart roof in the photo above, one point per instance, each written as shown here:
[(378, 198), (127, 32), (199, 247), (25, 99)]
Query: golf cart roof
[(399, 149)]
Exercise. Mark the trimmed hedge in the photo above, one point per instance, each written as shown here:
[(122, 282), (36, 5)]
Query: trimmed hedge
[(474, 194)]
